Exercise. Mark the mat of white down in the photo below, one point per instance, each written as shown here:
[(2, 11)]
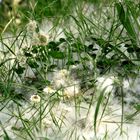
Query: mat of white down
[(68, 120)]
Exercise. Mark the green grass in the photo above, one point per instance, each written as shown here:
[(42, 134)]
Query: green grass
[(87, 39)]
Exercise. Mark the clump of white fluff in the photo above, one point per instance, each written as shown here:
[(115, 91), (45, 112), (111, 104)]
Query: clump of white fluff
[(64, 83), (36, 37)]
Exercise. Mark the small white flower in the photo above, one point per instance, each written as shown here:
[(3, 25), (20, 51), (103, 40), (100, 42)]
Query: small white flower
[(48, 90), (35, 98)]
